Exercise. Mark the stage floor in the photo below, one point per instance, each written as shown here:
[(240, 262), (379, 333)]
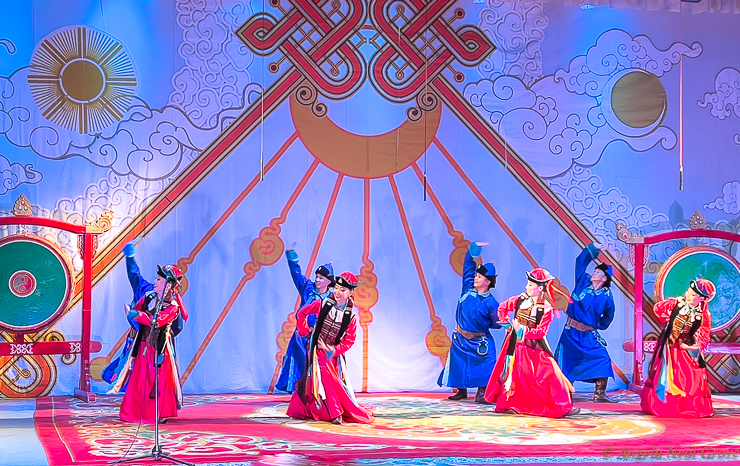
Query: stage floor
[(410, 429)]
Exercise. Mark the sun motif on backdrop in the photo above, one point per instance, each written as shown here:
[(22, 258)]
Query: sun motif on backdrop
[(334, 67), (411, 53), (401, 69), (82, 79)]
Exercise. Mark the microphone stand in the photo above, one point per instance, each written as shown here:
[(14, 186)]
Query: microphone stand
[(156, 454)]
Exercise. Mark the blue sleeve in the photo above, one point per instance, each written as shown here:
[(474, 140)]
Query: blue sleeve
[(493, 313), (130, 318), (469, 267), (300, 281), (608, 316), (138, 285), (586, 256), (178, 325)]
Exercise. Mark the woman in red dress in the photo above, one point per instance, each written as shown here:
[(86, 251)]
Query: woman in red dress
[(526, 378), (677, 379), (138, 402), (324, 392)]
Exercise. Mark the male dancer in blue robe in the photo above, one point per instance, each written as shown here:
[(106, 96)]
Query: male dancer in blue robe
[(581, 352), (473, 351), (294, 361)]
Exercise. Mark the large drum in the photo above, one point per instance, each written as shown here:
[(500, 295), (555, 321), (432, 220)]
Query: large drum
[(35, 283)]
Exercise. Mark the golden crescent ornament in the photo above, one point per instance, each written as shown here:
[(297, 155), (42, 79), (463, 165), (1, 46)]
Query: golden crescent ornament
[(361, 156)]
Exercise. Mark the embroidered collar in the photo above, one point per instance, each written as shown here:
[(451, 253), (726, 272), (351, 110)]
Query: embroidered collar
[(324, 295), (473, 292), (527, 303), (684, 305), (589, 290)]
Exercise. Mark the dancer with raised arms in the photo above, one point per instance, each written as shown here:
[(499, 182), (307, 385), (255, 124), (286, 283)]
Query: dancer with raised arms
[(294, 361), (581, 352), (473, 351)]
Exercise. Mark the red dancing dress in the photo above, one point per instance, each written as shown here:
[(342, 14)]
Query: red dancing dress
[(324, 391), (526, 378), (138, 401), (677, 379)]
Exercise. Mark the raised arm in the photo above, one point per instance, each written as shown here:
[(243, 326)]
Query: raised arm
[(469, 266), (588, 255), (138, 285), (300, 280)]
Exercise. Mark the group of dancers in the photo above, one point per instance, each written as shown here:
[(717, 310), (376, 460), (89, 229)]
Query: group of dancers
[(525, 378)]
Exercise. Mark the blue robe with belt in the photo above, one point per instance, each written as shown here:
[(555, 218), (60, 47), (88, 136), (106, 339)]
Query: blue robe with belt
[(471, 362), (583, 355), (294, 361)]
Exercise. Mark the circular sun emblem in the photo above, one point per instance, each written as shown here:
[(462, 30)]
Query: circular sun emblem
[(22, 283), (82, 79)]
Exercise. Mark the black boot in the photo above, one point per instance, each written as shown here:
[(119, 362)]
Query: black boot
[(462, 393), (600, 392), (573, 411), (480, 396)]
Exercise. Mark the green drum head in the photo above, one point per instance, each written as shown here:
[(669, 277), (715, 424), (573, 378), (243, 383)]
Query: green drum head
[(35, 283), (703, 262)]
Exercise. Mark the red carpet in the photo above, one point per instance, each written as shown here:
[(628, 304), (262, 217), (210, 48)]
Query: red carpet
[(250, 428)]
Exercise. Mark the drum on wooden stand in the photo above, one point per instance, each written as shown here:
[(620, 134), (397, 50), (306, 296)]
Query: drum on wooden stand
[(36, 283)]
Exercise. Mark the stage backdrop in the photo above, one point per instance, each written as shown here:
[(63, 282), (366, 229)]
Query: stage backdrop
[(380, 135)]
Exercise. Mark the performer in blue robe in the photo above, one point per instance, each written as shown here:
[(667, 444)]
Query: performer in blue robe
[(140, 288), (473, 351), (581, 352), (294, 361)]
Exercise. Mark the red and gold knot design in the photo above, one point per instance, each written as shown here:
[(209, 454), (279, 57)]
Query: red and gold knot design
[(420, 45), (315, 38), (414, 41)]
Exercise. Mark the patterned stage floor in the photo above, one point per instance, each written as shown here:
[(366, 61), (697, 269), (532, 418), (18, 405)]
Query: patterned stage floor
[(410, 428)]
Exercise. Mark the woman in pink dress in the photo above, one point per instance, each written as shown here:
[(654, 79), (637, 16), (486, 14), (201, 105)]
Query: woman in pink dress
[(138, 401), (526, 378), (677, 379), (324, 392)]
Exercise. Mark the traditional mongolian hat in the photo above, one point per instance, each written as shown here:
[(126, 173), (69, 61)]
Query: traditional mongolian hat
[(171, 273), (608, 271), (540, 276), (347, 280), (703, 288), (327, 271), (489, 271), (544, 278)]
